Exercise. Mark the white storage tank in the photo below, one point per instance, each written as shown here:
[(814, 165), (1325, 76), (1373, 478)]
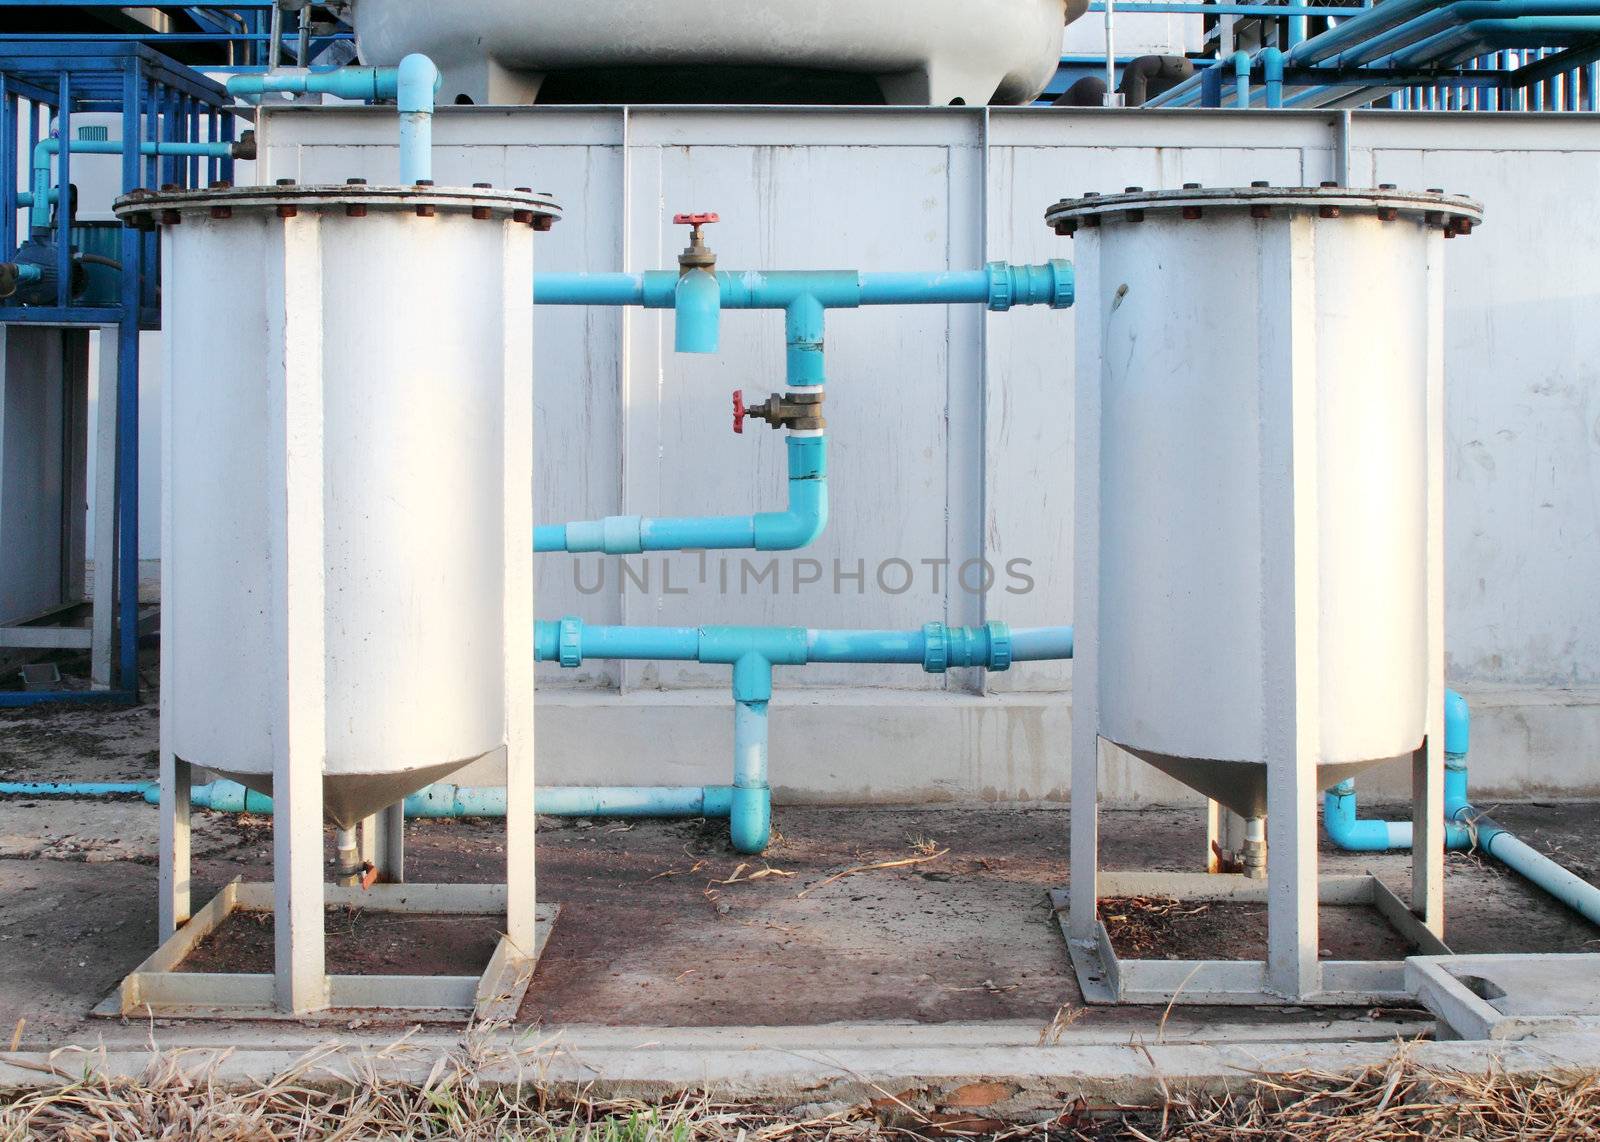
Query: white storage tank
[(1259, 535), (347, 434), (930, 52)]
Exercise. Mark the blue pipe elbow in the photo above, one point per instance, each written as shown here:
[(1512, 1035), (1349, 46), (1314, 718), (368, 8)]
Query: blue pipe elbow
[(750, 817), (697, 304), (1241, 79), (416, 79), (1272, 74), (1352, 834)]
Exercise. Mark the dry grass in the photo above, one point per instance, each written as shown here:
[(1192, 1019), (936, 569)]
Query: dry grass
[(481, 1092)]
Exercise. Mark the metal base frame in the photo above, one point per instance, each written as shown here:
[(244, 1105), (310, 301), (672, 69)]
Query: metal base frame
[(1103, 977), (160, 988)]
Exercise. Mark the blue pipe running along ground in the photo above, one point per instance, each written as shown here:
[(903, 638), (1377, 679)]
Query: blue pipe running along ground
[(1465, 826)]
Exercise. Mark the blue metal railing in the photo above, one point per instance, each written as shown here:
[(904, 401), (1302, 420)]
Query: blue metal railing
[(164, 106)]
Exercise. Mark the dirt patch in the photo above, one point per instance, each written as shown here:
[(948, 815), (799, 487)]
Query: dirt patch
[(360, 942), (1164, 928)]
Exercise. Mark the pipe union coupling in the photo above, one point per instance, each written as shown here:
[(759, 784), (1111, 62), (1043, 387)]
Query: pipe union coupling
[(571, 642)]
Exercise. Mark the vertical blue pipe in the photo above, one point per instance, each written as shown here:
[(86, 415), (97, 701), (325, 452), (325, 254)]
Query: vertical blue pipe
[(697, 312), (415, 81), (1241, 80), (803, 327), (1272, 76), (750, 814)]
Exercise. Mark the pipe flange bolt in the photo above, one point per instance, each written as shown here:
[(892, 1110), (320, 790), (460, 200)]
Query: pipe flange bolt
[(999, 645), (935, 648), (570, 645)]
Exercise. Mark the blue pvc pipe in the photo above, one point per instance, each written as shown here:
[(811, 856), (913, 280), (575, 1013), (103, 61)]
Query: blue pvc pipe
[(796, 526), (1241, 80), (998, 285), (1465, 826), (41, 196), (1272, 76), (754, 651), (74, 788), (411, 85), (443, 799)]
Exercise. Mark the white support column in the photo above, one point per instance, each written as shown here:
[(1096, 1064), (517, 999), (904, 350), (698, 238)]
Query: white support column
[(1083, 912), (102, 622), (382, 843), (1216, 835), (175, 861), (1427, 766), (300, 745), (517, 443), (391, 858), (1290, 594)]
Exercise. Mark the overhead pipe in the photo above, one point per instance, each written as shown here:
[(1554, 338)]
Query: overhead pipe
[(1466, 827), (411, 85), (1415, 33)]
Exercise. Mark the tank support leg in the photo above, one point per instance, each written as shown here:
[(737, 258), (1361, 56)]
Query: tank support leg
[(295, 475), (1292, 589), (176, 864)]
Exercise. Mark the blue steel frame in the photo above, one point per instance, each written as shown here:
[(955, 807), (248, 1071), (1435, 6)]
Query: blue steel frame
[(240, 24), (160, 101)]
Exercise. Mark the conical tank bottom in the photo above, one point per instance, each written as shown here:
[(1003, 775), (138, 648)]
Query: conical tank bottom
[(1239, 785), (349, 798)]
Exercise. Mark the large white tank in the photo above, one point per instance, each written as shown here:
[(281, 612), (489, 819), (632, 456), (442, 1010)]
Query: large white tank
[(1269, 378), (347, 487), (920, 51)]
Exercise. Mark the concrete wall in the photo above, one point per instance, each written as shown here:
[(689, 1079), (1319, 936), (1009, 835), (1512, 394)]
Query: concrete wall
[(953, 429)]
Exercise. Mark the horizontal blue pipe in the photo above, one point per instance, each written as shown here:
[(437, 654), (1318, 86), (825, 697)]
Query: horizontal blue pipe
[(798, 525), (443, 799), (998, 285), (73, 788), (935, 647)]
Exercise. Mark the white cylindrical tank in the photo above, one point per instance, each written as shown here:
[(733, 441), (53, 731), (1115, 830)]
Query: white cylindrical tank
[(345, 477), (1267, 365), (920, 51)]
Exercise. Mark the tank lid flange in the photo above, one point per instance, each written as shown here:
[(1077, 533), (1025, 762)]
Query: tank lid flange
[(140, 205), (1452, 213)]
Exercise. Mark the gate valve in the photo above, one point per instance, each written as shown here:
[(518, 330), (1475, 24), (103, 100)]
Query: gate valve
[(696, 255), (797, 410)]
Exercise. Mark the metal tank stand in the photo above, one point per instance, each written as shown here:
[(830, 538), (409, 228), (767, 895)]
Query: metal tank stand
[(300, 986), (1290, 609)]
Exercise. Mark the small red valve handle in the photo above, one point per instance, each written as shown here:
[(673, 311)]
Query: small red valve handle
[(369, 875), (738, 411), (694, 219)]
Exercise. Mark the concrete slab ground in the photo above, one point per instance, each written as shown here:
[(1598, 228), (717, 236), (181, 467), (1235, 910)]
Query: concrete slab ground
[(677, 960)]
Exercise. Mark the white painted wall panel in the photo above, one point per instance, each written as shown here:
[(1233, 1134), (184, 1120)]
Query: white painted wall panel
[(952, 430)]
